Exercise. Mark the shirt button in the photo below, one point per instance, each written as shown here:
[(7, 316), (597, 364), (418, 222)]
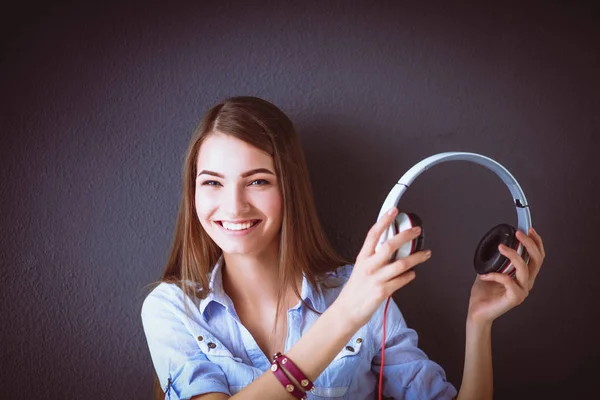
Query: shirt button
[(349, 348), (211, 345), (359, 340), (200, 338)]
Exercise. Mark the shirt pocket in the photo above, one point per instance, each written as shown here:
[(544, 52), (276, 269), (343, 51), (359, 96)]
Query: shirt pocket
[(237, 374), (213, 348), (335, 381)]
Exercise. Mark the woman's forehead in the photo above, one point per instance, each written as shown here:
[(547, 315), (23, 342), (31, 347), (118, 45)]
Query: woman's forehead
[(231, 156)]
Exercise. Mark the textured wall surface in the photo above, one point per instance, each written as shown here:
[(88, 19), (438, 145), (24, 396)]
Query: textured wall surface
[(99, 102)]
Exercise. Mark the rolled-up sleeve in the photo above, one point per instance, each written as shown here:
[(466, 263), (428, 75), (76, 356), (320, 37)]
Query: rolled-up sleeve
[(182, 368), (408, 373)]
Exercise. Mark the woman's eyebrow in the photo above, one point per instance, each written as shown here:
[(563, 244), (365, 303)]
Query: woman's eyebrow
[(257, 171), (244, 175)]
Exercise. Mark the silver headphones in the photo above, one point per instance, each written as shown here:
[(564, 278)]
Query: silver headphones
[(487, 257)]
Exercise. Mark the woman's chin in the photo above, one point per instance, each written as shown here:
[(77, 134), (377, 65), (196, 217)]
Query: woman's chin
[(236, 251), (244, 249)]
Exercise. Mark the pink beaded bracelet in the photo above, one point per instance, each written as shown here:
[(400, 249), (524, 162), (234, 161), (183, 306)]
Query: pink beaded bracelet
[(289, 365), (286, 382)]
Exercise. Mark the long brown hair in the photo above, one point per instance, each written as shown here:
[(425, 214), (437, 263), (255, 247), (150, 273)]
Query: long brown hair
[(303, 249)]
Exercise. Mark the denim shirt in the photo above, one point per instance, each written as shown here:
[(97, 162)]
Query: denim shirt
[(209, 350)]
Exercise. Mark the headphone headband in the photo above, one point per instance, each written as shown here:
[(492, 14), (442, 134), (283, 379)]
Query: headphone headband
[(520, 202)]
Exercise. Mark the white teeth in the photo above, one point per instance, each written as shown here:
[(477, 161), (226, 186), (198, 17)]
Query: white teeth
[(237, 227)]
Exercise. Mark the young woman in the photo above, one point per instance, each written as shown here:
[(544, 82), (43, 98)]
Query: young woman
[(252, 274)]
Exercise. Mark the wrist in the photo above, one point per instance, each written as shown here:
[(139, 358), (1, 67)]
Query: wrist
[(341, 318), (478, 326), (322, 342)]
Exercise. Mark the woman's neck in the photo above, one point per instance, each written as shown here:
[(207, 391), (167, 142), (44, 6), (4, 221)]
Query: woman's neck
[(253, 280)]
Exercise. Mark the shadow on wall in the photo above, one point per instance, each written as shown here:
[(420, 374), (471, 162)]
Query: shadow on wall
[(349, 173)]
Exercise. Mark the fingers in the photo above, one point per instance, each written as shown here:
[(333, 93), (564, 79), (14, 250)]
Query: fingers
[(398, 267), (520, 266), (538, 241), (535, 248), (535, 242), (375, 233), (514, 293), (400, 281), (389, 247)]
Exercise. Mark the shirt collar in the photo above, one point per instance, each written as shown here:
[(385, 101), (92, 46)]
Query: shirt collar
[(216, 292), (310, 295)]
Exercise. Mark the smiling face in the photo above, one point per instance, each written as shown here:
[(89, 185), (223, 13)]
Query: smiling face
[(237, 197)]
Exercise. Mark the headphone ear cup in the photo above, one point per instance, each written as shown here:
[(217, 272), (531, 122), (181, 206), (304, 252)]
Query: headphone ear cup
[(402, 222), (419, 242), (487, 256)]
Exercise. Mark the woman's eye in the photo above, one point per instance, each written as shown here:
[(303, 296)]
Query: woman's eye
[(210, 183), (259, 182)]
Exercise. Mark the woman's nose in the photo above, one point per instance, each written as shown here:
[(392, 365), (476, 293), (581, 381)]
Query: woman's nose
[(235, 202)]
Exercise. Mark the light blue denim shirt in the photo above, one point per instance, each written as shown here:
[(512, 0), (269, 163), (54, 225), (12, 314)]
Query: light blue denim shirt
[(209, 350)]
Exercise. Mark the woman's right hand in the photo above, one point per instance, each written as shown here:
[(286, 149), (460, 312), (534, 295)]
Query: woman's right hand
[(374, 278)]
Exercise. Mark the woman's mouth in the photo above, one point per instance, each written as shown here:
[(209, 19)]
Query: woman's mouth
[(239, 226)]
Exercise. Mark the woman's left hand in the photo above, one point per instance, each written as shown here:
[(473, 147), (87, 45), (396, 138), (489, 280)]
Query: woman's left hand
[(494, 293)]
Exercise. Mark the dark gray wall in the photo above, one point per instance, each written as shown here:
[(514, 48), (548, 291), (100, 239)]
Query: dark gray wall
[(98, 104)]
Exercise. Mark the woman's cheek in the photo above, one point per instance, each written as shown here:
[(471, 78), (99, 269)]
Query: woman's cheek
[(203, 206), (273, 203)]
